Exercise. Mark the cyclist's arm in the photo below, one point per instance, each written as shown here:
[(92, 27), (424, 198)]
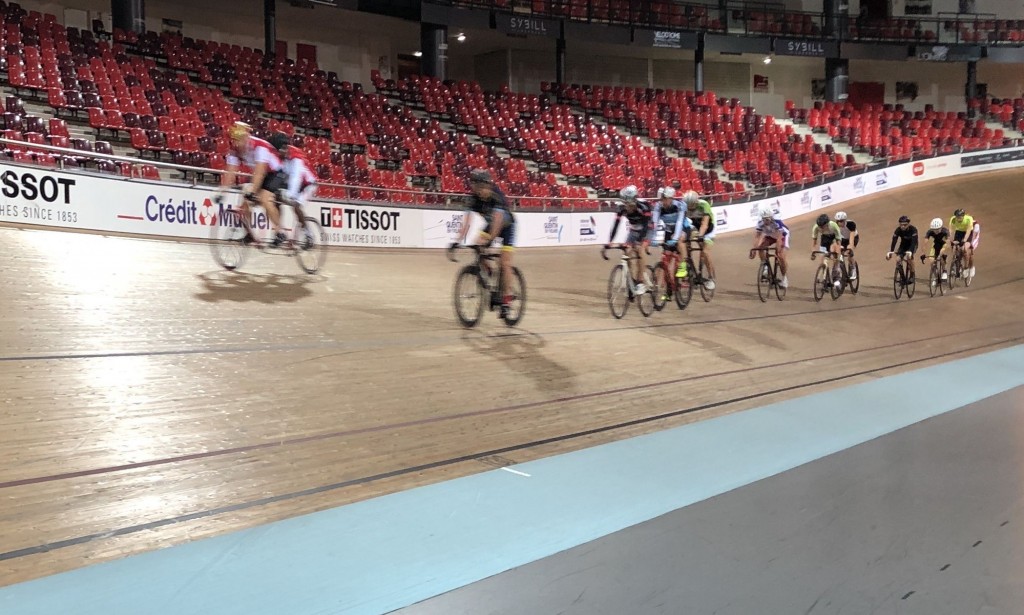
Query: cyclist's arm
[(678, 231), (615, 227), (497, 221), (895, 240), (854, 233), (654, 222), (913, 242), (465, 227)]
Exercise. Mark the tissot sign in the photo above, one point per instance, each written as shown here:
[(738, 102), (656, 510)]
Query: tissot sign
[(515, 24), (801, 47)]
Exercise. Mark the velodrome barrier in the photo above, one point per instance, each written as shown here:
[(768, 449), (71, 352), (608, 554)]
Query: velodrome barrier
[(87, 201)]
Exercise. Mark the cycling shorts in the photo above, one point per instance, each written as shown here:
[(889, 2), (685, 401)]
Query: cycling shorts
[(826, 242), (274, 181)]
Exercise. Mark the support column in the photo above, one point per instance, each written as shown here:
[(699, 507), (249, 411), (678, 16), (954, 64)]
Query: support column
[(129, 15), (971, 87), (837, 77), (560, 60), (837, 13), (698, 65), (269, 27), (434, 46)]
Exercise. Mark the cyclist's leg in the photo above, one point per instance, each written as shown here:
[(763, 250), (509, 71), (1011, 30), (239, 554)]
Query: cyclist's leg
[(709, 240), (975, 239), (508, 239), (781, 249)]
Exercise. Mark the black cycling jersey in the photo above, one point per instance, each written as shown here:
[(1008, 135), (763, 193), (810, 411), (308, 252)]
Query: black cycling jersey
[(906, 238), (639, 219), (487, 207), (939, 237)]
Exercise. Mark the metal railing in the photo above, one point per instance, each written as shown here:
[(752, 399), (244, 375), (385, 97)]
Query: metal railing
[(421, 199)]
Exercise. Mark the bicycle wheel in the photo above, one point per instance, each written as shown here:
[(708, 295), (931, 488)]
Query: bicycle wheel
[(853, 280), (955, 270), (911, 280), (517, 304), (821, 281), (659, 273), (706, 293), (469, 296), (618, 291), (780, 290), (764, 282), (836, 290), (310, 248), (934, 279), (645, 302), (226, 241), (684, 288), (968, 279), (897, 281)]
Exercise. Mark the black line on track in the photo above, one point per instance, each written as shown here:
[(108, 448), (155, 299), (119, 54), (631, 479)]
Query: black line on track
[(79, 540)]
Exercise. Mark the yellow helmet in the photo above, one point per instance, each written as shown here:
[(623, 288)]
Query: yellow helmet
[(239, 130)]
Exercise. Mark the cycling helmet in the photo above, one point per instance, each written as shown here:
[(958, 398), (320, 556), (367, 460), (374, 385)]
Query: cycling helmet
[(690, 198), (279, 141), (904, 220), (239, 130), (936, 224), (480, 176), (959, 213), (668, 193), (840, 216), (766, 211), (628, 193), (822, 220)]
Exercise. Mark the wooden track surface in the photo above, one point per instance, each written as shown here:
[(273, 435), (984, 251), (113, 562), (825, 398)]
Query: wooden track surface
[(151, 399)]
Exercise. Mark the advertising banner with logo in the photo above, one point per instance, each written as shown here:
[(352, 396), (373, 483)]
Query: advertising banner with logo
[(37, 196)]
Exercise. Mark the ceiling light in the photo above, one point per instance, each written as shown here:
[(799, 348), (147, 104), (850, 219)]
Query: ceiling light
[(418, 54), (767, 60), (461, 37)]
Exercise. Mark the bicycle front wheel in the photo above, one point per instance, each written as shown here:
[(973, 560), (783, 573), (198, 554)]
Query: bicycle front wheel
[(764, 282), (226, 237), (854, 278), (934, 280), (911, 280), (618, 292), (780, 290), (469, 296), (820, 282), (705, 277), (310, 248), (659, 273), (517, 304), (684, 288), (897, 281)]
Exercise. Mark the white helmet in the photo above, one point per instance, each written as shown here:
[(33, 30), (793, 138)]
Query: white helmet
[(840, 216), (628, 193), (936, 224), (690, 198), (667, 192), (766, 211)]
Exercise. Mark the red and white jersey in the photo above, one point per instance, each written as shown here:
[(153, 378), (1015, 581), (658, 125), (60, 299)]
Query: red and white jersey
[(256, 150), (300, 176)]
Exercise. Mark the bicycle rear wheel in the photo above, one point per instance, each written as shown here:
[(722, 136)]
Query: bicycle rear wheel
[(706, 293), (659, 273), (645, 302), (517, 304), (854, 278), (821, 281), (684, 288), (310, 249), (226, 241), (780, 290), (764, 282), (469, 296), (618, 291), (897, 281)]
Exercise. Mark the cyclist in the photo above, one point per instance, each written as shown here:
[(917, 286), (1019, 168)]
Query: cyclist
[(966, 232), (826, 238), (264, 158), (669, 212), (939, 236), (904, 238), (638, 216), (699, 212), (772, 231), (850, 235), (489, 202), (301, 182)]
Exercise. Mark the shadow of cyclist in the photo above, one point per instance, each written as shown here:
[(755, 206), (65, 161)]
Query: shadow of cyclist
[(522, 352), (255, 287)]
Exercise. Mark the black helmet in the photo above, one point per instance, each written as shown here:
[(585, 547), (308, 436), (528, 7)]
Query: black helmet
[(279, 141), (959, 213), (904, 220), (480, 176), (822, 219)]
